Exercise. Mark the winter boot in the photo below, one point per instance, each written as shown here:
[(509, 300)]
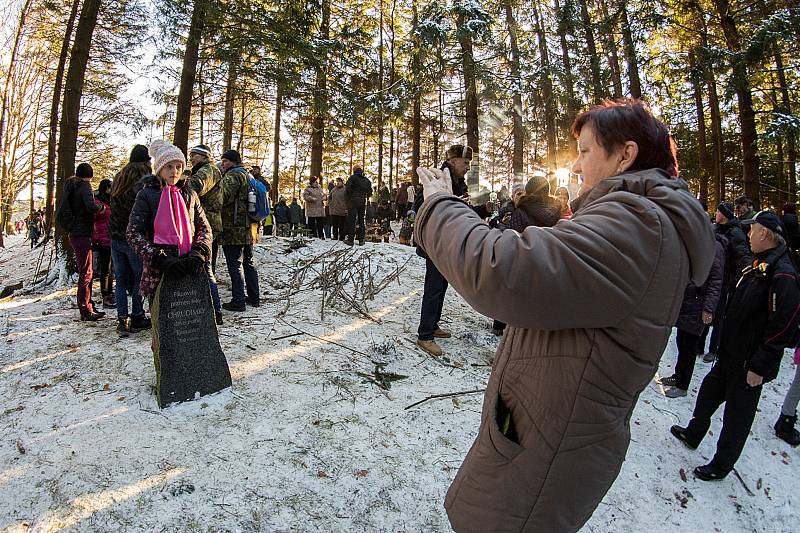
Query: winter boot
[(218, 317), (785, 430), (674, 392), (139, 323), (441, 334), (430, 346), (709, 357), (109, 302), (680, 433), (709, 472), (123, 329), (667, 381)]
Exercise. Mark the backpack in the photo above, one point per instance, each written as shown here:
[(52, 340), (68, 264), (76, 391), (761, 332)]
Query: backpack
[(65, 218), (257, 200)]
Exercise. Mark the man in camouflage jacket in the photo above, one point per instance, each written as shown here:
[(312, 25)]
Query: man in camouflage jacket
[(239, 233)]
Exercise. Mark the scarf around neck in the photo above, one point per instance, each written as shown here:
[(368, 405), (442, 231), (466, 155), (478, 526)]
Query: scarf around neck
[(171, 225)]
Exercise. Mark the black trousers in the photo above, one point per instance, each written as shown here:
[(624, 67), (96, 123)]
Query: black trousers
[(317, 227), (729, 385), (684, 367), (719, 314), (339, 223), (104, 262), (355, 222), (432, 301)]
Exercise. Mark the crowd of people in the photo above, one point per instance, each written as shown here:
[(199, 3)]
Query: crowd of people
[(583, 293)]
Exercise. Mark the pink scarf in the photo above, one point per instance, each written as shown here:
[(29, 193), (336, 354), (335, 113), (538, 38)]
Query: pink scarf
[(171, 225)]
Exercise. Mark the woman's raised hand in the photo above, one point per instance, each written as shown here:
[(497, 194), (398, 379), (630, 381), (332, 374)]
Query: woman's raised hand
[(434, 180)]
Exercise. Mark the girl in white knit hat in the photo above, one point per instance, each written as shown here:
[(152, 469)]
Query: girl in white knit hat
[(167, 227)]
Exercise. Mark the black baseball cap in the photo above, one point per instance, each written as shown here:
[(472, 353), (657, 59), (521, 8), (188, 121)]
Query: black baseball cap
[(768, 219)]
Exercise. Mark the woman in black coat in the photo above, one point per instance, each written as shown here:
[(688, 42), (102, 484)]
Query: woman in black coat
[(697, 311)]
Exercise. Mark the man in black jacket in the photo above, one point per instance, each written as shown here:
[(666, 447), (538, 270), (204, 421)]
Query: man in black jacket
[(761, 321), (737, 258), (359, 189), (78, 193)]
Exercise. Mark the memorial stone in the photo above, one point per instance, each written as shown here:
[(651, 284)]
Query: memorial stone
[(188, 357)]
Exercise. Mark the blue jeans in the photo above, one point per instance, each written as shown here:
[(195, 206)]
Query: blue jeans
[(128, 272), (239, 257)]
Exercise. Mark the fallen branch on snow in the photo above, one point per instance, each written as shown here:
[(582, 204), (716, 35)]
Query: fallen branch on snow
[(446, 395)]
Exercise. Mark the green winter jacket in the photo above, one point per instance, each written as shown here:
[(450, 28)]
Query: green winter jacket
[(237, 228), (205, 181)]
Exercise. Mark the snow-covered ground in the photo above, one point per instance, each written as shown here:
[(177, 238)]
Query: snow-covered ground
[(303, 441)]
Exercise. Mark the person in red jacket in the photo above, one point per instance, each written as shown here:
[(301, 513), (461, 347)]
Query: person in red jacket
[(101, 243)]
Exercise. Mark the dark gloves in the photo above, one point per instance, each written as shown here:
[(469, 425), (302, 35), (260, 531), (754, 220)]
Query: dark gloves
[(164, 263), (192, 264)]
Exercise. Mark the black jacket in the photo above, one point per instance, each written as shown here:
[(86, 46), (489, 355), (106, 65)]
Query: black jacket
[(738, 255), (358, 188), (706, 296), (792, 230), (121, 207), (762, 315), (81, 201)]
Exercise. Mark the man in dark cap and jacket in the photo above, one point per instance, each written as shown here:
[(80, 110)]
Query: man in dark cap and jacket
[(737, 258), (459, 158), (761, 320)]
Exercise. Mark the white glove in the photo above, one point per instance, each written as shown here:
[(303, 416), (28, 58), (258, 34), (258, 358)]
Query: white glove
[(434, 180)]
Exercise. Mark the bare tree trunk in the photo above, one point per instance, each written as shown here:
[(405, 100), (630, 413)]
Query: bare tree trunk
[(202, 90), (58, 82), (630, 53), (320, 96), (791, 141), (547, 91), (71, 107), (188, 73), (32, 141), (380, 94), (696, 79), (230, 95), (517, 128), (6, 199), (470, 105), (568, 80), (276, 139), (744, 98), (242, 118), (591, 49), (611, 47)]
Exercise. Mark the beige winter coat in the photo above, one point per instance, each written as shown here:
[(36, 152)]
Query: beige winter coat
[(338, 202), (313, 196), (590, 303)]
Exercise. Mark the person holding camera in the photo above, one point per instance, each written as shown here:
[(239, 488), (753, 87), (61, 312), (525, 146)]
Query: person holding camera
[(589, 305)]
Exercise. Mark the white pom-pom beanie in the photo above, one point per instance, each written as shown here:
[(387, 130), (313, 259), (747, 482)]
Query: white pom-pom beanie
[(163, 152)]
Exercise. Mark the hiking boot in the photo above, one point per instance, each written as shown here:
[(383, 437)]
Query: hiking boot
[(709, 472), (92, 316), (139, 323), (361, 242), (122, 327), (236, 308), (442, 334), (430, 346), (709, 357), (674, 392), (785, 430), (680, 433), (253, 303), (668, 381), (109, 302), (348, 241), (218, 317)]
